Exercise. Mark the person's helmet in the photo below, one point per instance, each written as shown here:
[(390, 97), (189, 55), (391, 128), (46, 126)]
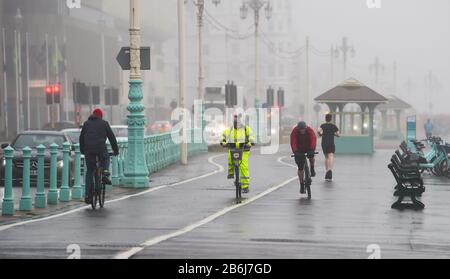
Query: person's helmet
[(301, 125), (237, 119), (98, 112)]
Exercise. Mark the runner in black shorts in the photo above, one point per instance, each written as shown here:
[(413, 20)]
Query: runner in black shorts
[(328, 131)]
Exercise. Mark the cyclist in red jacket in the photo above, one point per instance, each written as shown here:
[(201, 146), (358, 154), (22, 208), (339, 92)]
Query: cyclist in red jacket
[(303, 144)]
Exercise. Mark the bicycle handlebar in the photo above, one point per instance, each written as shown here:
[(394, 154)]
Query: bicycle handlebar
[(242, 145), (304, 153)]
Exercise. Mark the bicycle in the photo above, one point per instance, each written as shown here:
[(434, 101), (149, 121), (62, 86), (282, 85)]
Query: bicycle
[(307, 176), (98, 190), (237, 150)]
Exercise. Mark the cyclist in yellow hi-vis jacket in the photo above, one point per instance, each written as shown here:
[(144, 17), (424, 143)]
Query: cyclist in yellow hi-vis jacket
[(242, 134)]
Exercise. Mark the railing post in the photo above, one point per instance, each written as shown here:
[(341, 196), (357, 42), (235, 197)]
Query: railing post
[(52, 196), (115, 171), (109, 150), (25, 201), (77, 192), (152, 154), (123, 155), (64, 194), (40, 200), (119, 162), (147, 153), (8, 201), (83, 181)]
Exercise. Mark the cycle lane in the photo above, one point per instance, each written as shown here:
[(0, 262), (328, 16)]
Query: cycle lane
[(129, 222)]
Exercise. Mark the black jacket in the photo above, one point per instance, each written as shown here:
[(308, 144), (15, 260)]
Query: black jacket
[(93, 136)]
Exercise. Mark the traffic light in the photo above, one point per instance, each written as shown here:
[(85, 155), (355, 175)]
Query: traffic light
[(53, 93), (56, 90), (108, 97), (49, 95), (115, 96), (233, 94), (280, 97), (227, 94), (230, 95), (95, 91), (111, 96), (83, 94), (270, 97)]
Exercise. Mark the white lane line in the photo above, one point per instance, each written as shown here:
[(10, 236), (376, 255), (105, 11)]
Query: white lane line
[(158, 239), (210, 160), (280, 160)]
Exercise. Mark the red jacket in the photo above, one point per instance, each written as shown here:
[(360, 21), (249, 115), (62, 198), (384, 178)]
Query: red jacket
[(305, 142)]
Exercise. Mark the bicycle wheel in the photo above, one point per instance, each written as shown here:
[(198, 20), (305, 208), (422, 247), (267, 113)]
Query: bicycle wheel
[(308, 180), (308, 190), (102, 191), (444, 167), (238, 185), (94, 191)]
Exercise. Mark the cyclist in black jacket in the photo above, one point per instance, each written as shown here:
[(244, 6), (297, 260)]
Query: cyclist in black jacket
[(93, 137)]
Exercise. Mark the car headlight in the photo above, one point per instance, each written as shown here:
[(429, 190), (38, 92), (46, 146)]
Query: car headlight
[(60, 164)]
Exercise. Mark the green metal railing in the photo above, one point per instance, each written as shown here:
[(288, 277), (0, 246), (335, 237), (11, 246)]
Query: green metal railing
[(160, 152)]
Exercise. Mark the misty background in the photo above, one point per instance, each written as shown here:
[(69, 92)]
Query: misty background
[(410, 38)]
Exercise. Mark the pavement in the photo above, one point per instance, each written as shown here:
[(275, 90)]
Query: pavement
[(190, 212)]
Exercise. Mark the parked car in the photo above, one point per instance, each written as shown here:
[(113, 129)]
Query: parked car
[(120, 131), (159, 127), (59, 126), (74, 135), (214, 131), (32, 139)]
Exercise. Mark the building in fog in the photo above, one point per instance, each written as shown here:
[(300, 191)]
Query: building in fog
[(228, 50), (46, 42)]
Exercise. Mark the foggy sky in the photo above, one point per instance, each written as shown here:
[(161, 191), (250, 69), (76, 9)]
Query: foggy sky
[(414, 33)]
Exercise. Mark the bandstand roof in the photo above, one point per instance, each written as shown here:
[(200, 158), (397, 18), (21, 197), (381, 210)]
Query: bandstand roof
[(351, 91), (394, 103)]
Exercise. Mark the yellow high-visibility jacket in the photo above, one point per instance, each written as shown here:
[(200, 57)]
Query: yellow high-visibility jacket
[(239, 135)]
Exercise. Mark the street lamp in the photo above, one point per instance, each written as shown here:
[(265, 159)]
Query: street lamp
[(200, 4), (345, 48), (376, 67), (256, 6), (18, 18), (269, 11), (136, 172), (244, 11)]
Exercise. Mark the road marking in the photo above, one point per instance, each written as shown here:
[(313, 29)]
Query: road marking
[(280, 160), (210, 160), (158, 239)]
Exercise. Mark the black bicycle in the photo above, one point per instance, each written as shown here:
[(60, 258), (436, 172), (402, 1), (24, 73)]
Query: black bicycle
[(307, 177), (98, 192), (237, 152)]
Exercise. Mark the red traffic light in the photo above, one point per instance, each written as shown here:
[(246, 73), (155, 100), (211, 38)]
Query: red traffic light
[(56, 88), (48, 90)]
